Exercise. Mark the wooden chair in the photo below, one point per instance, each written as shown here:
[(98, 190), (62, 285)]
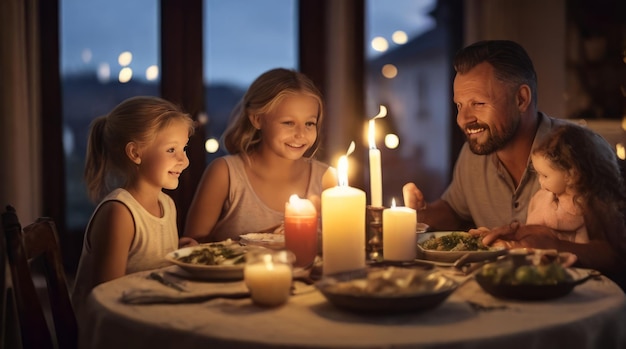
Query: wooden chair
[(38, 242)]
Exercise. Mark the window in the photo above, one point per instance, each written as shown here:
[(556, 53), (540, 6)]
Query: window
[(109, 52), (407, 58), (242, 39)]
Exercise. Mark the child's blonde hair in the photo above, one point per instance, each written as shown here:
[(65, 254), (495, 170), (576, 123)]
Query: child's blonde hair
[(262, 97), (137, 119)]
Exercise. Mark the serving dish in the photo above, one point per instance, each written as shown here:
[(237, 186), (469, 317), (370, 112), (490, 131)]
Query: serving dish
[(269, 240), (400, 290), (530, 292), (227, 269), (452, 256)]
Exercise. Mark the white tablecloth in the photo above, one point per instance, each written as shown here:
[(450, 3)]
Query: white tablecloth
[(592, 316)]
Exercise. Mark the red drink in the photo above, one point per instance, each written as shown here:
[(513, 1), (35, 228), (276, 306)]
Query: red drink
[(301, 238)]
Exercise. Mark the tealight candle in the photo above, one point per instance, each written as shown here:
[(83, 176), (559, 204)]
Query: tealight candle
[(268, 276), (343, 225), (301, 230), (399, 233)]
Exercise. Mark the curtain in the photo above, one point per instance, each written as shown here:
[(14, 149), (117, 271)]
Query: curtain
[(20, 184)]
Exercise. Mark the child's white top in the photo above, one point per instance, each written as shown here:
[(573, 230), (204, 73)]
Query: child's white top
[(154, 238)]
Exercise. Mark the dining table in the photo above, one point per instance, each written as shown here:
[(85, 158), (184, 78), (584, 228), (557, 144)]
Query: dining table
[(136, 311)]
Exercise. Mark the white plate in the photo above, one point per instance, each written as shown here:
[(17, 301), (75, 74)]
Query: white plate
[(452, 256), (269, 240), (204, 271), (422, 228)]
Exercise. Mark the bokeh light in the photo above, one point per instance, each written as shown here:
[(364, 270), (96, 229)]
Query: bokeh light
[(380, 44), (212, 145), (392, 141), (152, 73), (104, 72), (389, 71), (125, 75), (125, 58), (399, 37)]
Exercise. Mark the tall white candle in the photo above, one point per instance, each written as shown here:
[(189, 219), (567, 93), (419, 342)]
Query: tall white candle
[(399, 233), (343, 225), (376, 187)]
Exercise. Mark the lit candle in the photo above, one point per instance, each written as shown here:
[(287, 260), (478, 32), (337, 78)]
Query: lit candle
[(343, 224), (399, 233), (376, 187), (301, 230), (268, 279)]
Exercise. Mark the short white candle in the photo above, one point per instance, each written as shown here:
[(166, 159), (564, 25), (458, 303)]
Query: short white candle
[(269, 283), (343, 225), (399, 233)]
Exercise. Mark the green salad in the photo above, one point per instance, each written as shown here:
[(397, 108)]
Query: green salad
[(220, 253), (455, 241)]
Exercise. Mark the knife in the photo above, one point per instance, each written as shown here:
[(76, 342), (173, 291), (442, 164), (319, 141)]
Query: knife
[(158, 277)]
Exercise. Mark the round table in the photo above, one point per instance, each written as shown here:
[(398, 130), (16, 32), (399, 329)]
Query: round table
[(592, 316)]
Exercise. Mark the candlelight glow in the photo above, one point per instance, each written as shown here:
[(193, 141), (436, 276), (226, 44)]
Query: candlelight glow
[(371, 135), (350, 149), (267, 259), (342, 171), (342, 166), (301, 205), (393, 202), (621, 151)]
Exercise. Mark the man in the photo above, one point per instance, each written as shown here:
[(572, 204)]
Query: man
[(495, 92)]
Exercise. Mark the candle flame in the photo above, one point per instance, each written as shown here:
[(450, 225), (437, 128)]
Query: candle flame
[(342, 166), (350, 149), (342, 171), (382, 112), (294, 199), (267, 259), (393, 202), (371, 134)]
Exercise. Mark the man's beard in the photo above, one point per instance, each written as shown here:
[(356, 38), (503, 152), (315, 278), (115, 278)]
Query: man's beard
[(495, 141)]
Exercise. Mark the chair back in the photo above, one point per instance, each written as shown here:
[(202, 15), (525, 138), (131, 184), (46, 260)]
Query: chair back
[(38, 243)]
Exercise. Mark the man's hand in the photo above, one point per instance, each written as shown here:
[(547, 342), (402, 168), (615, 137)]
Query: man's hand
[(186, 242), (413, 197), (517, 235)]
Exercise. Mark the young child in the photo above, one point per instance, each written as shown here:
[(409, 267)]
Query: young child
[(132, 154), (271, 140), (581, 185)]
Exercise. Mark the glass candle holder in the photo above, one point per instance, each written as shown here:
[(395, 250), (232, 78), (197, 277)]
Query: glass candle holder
[(301, 230), (268, 276)]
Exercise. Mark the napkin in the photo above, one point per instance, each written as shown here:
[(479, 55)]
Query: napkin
[(146, 290)]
